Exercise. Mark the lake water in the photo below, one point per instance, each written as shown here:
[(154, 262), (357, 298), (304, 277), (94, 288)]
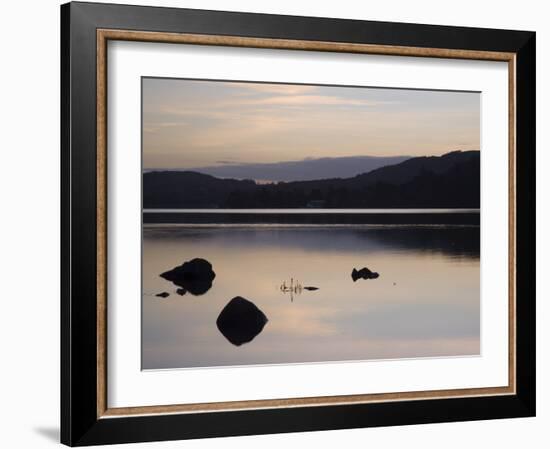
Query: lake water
[(425, 302)]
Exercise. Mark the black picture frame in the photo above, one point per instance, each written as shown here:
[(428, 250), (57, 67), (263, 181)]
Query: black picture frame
[(80, 423)]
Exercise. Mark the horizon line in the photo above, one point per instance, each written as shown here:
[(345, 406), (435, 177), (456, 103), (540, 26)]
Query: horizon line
[(307, 159)]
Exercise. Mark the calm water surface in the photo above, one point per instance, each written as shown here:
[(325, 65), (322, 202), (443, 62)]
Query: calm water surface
[(425, 302)]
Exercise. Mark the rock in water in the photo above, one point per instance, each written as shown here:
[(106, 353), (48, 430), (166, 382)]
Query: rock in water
[(311, 289), (181, 291), (163, 295), (363, 273), (240, 321), (195, 276)]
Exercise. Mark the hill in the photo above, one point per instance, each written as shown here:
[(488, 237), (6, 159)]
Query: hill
[(448, 181), (302, 170)]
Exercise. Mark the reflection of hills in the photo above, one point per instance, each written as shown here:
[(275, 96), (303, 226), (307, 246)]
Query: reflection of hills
[(453, 241), (450, 181)]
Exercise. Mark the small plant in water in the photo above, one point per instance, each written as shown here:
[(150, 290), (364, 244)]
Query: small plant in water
[(295, 287)]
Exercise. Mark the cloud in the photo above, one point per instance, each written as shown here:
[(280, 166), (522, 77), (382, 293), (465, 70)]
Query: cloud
[(310, 100), (279, 89), (226, 162), (156, 127)]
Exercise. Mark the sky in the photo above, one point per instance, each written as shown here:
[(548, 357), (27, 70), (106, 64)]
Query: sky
[(189, 124)]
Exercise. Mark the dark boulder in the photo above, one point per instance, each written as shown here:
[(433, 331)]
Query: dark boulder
[(181, 291), (195, 276), (240, 321), (163, 295), (363, 273), (311, 289)]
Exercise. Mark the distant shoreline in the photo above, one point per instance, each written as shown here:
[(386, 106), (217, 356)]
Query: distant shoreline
[(313, 216), (317, 211)]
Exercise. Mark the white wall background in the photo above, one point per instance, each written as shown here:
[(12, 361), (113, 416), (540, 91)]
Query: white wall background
[(29, 237)]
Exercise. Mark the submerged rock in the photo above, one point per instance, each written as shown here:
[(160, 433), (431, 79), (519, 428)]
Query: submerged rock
[(311, 289), (181, 291), (195, 276), (163, 295), (240, 321), (363, 273)]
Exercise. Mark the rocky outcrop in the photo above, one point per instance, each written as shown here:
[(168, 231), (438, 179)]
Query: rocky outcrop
[(195, 276), (363, 273), (240, 321)]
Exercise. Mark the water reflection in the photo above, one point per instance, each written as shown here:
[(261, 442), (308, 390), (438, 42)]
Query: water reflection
[(451, 240), (425, 303)]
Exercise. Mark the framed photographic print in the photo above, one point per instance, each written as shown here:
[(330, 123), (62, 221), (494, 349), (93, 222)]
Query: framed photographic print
[(278, 224)]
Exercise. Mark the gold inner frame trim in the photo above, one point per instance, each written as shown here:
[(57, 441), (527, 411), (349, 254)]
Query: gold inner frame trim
[(104, 35)]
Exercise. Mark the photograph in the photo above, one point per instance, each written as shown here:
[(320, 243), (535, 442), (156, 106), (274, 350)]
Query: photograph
[(279, 221), (298, 223)]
